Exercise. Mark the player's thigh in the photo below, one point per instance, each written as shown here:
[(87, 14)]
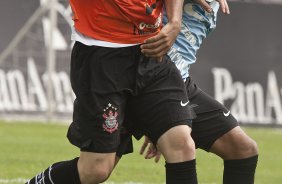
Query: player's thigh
[(161, 105), (162, 101), (235, 144), (210, 126), (213, 119), (215, 129)]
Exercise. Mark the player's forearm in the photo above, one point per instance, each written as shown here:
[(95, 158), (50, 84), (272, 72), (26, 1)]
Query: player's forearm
[(174, 11)]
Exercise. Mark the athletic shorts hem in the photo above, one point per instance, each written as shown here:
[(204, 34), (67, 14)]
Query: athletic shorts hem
[(160, 131)]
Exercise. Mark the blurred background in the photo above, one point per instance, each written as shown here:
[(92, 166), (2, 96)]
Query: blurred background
[(240, 64)]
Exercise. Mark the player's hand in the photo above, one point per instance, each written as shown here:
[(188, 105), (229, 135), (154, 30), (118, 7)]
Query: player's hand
[(223, 6), (157, 46), (151, 150)]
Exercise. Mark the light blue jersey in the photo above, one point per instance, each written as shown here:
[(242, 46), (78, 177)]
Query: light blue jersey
[(196, 25)]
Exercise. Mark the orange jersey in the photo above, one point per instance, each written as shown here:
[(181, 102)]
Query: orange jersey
[(118, 21)]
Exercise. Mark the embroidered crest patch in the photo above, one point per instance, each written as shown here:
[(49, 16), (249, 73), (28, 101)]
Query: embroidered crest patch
[(110, 116)]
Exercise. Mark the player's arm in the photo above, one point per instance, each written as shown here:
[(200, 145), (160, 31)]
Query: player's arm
[(223, 5), (159, 45)]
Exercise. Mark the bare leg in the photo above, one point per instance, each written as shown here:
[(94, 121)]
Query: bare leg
[(95, 167), (240, 154), (178, 149), (235, 144)]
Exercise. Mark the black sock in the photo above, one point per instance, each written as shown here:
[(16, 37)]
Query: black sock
[(181, 173), (64, 172), (241, 171)]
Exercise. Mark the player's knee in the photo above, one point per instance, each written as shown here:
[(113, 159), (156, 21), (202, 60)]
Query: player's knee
[(189, 148), (94, 175), (235, 144), (252, 148), (246, 148), (183, 143), (95, 172), (184, 147), (245, 145), (177, 145)]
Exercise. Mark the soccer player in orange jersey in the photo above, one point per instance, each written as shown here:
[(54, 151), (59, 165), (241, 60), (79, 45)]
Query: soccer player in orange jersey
[(111, 76)]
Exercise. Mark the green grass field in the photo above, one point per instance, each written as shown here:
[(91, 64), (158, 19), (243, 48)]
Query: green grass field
[(27, 148)]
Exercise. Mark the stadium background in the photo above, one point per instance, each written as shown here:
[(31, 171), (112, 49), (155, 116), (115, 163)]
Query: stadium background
[(239, 64)]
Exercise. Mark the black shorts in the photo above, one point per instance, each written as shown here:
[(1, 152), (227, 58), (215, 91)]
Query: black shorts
[(126, 145), (213, 119), (111, 82)]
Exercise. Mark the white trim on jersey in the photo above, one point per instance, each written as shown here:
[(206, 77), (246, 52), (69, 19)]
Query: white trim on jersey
[(77, 36)]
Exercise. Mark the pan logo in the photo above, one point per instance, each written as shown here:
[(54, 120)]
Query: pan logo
[(251, 102), (23, 72)]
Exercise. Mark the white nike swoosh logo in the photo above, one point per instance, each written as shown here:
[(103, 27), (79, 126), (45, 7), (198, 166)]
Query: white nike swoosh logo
[(184, 104), (226, 114)]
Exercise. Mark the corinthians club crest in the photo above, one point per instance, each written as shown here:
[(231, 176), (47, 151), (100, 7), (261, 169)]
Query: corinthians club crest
[(110, 115)]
